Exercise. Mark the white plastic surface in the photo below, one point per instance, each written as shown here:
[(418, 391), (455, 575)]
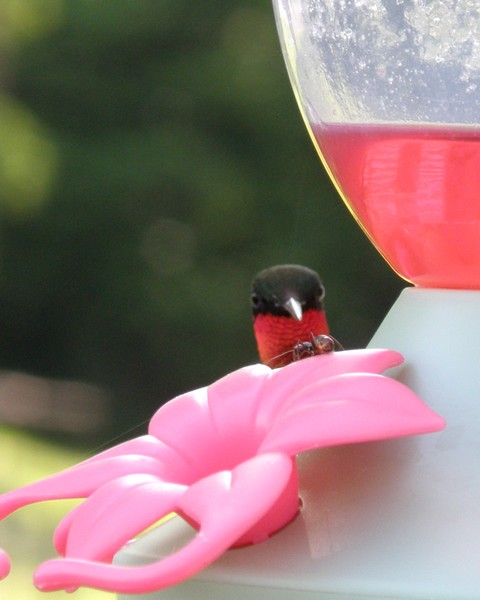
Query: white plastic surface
[(391, 520)]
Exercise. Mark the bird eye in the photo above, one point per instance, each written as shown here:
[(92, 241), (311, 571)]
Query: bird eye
[(321, 294), (255, 299)]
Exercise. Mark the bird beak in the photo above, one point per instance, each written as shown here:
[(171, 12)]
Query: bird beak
[(293, 306)]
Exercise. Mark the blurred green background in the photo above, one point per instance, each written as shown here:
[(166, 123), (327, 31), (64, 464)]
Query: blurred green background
[(152, 159)]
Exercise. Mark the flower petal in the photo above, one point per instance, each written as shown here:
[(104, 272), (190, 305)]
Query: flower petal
[(171, 465), (234, 403), (350, 408), (248, 491), (210, 426), (285, 382), (117, 512), (60, 535), (184, 424), (77, 482), (225, 505)]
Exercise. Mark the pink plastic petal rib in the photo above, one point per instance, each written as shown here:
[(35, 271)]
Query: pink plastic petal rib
[(77, 482), (348, 409), (117, 512), (292, 379)]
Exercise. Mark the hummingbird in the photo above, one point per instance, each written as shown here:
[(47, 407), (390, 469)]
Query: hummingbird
[(289, 319)]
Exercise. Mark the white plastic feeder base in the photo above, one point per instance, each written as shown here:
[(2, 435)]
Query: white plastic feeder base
[(393, 520)]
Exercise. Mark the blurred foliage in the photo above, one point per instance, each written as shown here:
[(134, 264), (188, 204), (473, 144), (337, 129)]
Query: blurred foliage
[(27, 160), (152, 159)]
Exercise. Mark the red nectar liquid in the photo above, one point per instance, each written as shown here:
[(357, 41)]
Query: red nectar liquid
[(416, 192)]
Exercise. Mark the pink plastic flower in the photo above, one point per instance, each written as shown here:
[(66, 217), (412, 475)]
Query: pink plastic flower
[(223, 457)]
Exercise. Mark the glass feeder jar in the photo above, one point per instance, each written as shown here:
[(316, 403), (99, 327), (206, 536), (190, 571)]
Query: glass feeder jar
[(390, 93)]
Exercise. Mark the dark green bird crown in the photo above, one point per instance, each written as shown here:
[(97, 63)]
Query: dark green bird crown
[(272, 288)]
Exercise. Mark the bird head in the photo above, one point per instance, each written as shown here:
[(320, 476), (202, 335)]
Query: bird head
[(287, 307)]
